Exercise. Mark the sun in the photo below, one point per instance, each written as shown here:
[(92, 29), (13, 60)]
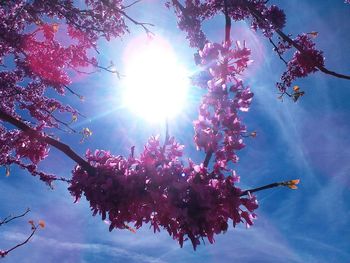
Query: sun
[(155, 83)]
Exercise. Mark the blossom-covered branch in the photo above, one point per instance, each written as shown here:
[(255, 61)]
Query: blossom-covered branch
[(306, 60), (270, 19), (30, 38), (33, 134), (157, 187)]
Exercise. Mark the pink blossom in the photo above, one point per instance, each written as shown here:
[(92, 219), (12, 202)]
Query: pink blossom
[(158, 189)]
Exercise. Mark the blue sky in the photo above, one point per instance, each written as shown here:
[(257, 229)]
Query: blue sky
[(307, 140)]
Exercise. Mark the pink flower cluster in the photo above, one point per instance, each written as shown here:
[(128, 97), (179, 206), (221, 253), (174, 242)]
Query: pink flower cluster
[(302, 63), (190, 202), (218, 128), (16, 146), (42, 42), (189, 20), (156, 188), (192, 14)]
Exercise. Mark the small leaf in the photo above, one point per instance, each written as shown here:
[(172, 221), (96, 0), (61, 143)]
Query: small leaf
[(86, 132), (292, 184), (74, 118), (52, 108), (55, 27), (297, 95), (7, 170), (41, 223), (314, 34), (253, 134), (31, 222)]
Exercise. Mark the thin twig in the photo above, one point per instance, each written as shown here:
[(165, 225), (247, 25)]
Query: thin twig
[(73, 92), (268, 186), (10, 218), (166, 135), (278, 52), (61, 122), (291, 184), (143, 25), (129, 5), (114, 71), (34, 229)]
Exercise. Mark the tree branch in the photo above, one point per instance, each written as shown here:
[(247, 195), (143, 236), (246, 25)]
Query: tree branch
[(64, 148), (291, 184), (227, 40), (167, 136), (143, 25), (207, 158), (10, 218), (286, 38), (227, 22), (4, 253), (279, 53), (300, 49)]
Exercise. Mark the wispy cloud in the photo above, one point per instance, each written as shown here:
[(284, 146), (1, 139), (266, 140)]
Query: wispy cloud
[(68, 247), (258, 244)]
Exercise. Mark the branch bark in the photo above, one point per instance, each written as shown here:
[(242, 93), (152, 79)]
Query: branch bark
[(64, 148), (291, 184), (227, 40), (286, 38)]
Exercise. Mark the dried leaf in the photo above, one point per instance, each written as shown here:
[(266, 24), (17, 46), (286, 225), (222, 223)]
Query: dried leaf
[(253, 134), (41, 223), (55, 27), (292, 184), (314, 34), (7, 170), (74, 118)]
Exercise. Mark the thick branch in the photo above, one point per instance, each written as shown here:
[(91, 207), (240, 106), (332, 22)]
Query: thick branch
[(227, 22), (57, 144)]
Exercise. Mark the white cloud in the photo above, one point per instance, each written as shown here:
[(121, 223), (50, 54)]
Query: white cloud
[(69, 247)]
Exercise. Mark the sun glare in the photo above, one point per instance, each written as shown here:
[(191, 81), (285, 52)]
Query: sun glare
[(155, 83)]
